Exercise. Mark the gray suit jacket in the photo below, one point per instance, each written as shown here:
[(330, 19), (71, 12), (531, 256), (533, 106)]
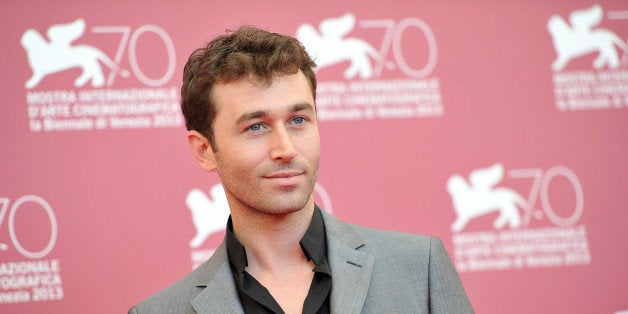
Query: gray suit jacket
[(373, 271)]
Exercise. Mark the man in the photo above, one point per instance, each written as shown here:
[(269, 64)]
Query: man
[(248, 98)]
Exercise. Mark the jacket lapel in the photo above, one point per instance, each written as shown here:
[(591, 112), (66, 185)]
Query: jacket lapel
[(351, 268), (222, 297), (351, 274)]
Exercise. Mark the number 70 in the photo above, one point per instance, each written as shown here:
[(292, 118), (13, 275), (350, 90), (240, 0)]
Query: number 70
[(4, 208)]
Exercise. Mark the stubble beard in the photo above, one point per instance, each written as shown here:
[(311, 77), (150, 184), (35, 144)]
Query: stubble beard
[(256, 200)]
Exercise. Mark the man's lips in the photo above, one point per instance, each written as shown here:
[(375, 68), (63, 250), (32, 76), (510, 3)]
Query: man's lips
[(285, 178), (283, 174)]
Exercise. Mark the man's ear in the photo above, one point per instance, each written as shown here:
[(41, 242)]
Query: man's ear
[(201, 150)]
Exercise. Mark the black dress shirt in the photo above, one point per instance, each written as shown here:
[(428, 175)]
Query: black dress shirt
[(255, 298)]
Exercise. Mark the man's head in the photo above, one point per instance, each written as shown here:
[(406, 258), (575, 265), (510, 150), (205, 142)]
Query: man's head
[(248, 99), (248, 52)]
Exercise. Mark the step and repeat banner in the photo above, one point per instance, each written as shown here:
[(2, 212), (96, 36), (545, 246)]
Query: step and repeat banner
[(499, 126)]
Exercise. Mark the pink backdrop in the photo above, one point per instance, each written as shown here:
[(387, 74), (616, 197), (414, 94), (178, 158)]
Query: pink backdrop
[(499, 126)]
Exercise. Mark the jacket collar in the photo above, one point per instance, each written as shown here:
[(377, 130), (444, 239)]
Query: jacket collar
[(351, 269), (222, 296)]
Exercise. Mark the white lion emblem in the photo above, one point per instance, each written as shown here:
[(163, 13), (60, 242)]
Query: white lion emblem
[(208, 215), (580, 39), (481, 198), (56, 55), (329, 47)]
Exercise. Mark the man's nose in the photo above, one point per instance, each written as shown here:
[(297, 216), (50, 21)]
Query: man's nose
[(282, 146)]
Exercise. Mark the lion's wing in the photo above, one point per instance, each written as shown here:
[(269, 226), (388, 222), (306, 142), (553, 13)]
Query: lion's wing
[(64, 34), (586, 19), (337, 27), (486, 178)]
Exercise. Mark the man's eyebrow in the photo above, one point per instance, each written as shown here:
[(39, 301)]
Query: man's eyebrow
[(261, 113), (301, 106), (250, 115)]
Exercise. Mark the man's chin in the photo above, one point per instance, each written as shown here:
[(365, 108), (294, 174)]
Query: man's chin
[(284, 209), (285, 206)]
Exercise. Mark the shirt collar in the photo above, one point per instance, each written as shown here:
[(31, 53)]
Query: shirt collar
[(313, 241), (313, 244), (235, 249)]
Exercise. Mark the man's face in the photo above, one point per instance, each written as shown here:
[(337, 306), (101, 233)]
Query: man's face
[(267, 143)]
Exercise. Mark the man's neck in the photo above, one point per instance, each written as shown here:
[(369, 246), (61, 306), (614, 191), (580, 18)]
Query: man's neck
[(272, 241)]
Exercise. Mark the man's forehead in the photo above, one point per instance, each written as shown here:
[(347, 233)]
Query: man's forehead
[(261, 81), (245, 95)]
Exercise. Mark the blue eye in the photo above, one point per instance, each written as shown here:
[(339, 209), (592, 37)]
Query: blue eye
[(298, 120), (255, 127)]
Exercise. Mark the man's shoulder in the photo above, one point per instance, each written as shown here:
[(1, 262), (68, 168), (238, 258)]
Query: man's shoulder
[(419, 266), (177, 298), (383, 234), (379, 240), (376, 236), (421, 262)]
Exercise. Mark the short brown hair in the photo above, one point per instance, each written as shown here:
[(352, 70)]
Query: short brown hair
[(233, 56)]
